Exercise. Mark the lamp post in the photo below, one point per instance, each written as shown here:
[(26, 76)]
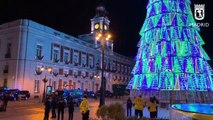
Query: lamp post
[(97, 77), (103, 35), (65, 86), (44, 92), (49, 69)]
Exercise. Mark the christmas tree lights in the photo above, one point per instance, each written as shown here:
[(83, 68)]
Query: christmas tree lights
[(170, 54)]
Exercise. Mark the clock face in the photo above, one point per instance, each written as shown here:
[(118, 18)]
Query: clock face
[(105, 27), (96, 26)]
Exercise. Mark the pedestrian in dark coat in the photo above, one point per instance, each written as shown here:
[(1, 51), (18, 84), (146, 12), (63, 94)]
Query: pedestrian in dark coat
[(129, 107), (47, 108), (61, 104), (157, 102), (70, 107), (5, 102), (54, 104)]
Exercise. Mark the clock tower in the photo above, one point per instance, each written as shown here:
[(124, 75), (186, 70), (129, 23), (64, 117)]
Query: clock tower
[(101, 23)]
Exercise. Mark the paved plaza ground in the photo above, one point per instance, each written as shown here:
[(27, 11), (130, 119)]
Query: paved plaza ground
[(34, 110)]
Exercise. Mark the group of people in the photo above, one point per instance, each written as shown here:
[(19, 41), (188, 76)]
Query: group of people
[(139, 104), (58, 102)]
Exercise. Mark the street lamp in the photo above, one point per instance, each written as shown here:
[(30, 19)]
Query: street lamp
[(103, 35), (49, 69), (97, 76), (65, 86)]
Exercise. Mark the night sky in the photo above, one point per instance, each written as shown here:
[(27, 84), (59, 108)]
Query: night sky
[(73, 17)]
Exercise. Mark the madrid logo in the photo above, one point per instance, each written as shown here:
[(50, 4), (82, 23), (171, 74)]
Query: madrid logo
[(199, 11)]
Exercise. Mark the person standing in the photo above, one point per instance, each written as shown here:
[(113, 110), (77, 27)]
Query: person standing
[(157, 102), (5, 101), (70, 107), (84, 108), (139, 105), (129, 107), (54, 106), (152, 107), (61, 104), (47, 108), (19, 96)]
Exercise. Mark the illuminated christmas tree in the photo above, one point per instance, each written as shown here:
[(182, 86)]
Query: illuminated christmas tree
[(170, 54)]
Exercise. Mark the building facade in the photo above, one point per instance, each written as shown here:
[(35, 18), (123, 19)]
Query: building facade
[(28, 49)]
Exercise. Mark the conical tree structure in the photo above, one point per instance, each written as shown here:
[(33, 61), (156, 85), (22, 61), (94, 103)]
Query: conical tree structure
[(170, 54)]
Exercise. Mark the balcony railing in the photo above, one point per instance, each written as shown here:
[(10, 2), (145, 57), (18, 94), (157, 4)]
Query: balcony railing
[(75, 64), (5, 71), (38, 72), (56, 60), (83, 65), (39, 57), (84, 76), (66, 61), (75, 75), (55, 74), (66, 75), (7, 55), (91, 66), (91, 77)]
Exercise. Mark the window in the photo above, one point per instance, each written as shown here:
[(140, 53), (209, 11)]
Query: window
[(83, 59), (91, 63), (66, 56), (87, 74), (66, 72), (83, 74), (75, 58), (55, 54), (6, 69), (9, 48), (79, 73), (118, 67), (113, 66), (39, 50), (55, 70), (54, 85), (61, 71), (129, 70), (122, 68), (36, 86), (75, 74), (110, 65), (70, 72), (8, 54)]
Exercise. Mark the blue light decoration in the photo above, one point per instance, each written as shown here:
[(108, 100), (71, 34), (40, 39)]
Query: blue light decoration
[(170, 54), (195, 109)]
